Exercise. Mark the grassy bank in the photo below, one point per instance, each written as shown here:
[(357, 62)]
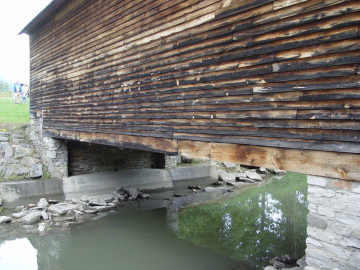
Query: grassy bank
[(12, 113)]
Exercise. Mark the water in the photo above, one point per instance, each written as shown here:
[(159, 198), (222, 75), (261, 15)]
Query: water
[(254, 225), (241, 232)]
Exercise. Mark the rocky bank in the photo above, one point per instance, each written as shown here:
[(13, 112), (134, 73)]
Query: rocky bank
[(48, 214)]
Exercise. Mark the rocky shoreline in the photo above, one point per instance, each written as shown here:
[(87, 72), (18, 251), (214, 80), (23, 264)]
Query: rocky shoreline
[(285, 262), (47, 214)]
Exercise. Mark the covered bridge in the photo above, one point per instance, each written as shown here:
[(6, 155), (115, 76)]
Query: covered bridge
[(266, 83), (271, 83)]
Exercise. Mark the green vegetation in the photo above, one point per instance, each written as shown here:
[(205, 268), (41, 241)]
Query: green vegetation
[(255, 224), (10, 112)]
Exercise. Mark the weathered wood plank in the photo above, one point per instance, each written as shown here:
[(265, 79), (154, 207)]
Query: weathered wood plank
[(281, 76)]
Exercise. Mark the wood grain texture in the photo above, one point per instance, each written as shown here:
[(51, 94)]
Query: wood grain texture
[(282, 75)]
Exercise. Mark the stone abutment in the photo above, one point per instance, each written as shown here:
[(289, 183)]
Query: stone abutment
[(333, 240), (69, 158)]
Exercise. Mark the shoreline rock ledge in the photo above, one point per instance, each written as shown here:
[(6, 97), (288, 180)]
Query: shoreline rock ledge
[(47, 214)]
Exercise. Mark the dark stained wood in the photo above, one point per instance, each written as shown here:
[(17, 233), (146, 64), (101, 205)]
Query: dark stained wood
[(264, 80)]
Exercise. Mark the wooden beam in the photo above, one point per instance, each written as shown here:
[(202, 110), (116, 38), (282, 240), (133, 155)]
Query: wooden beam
[(327, 164)]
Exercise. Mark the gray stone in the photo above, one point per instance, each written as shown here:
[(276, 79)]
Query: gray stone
[(100, 200), (326, 211), (5, 219), (1, 202), (333, 240), (36, 171), (51, 154), (29, 161), (3, 146), (171, 161), (280, 172), (32, 218), (191, 172), (270, 268), (317, 222), (22, 151), (229, 165), (9, 152), (13, 190), (43, 203), (355, 187), (4, 138), (321, 192), (225, 176), (347, 219), (253, 175), (76, 186), (91, 211), (144, 196), (356, 233), (311, 241), (133, 193), (12, 170), (45, 215), (263, 170), (301, 262), (19, 214), (317, 181), (323, 236), (62, 208)]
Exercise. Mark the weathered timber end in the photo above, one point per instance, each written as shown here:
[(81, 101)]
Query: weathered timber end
[(273, 83)]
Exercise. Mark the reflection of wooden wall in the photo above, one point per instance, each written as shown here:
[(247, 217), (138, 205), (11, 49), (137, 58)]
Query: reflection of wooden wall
[(275, 83)]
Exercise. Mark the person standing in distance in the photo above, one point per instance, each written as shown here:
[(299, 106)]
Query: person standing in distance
[(14, 93)]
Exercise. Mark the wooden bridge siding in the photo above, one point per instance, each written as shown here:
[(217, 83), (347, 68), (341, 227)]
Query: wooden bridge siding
[(276, 83)]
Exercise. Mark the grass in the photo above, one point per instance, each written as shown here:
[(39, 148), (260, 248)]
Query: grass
[(12, 113)]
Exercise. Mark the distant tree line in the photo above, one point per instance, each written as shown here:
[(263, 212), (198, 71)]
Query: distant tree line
[(5, 85)]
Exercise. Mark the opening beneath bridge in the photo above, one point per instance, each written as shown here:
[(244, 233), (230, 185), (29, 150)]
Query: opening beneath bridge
[(85, 158)]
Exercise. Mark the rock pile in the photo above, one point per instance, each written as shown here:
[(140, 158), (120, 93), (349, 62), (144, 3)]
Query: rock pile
[(236, 175), (49, 213), (286, 262)]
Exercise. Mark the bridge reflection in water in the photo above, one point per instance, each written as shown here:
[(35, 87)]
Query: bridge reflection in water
[(255, 225), (241, 232)]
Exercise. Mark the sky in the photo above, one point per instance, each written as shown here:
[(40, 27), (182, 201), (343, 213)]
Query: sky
[(14, 48)]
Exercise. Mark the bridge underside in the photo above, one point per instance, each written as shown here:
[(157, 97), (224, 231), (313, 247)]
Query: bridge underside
[(329, 164)]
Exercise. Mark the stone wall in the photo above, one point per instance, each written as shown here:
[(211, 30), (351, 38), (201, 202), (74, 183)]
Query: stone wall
[(18, 157), (53, 152), (64, 158), (333, 240), (87, 158), (172, 161)]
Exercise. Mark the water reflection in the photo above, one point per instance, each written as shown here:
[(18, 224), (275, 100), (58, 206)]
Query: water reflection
[(250, 227), (130, 240), (18, 254), (254, 225)]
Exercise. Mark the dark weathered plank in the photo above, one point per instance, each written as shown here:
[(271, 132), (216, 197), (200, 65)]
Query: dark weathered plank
[(273, 74)]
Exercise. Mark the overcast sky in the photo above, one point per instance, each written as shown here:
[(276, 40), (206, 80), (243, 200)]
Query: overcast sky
[(14, 49)]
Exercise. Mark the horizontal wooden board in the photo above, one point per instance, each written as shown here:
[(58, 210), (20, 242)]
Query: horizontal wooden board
[(280, 75)]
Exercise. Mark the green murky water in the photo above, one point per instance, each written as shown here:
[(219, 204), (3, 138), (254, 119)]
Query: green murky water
[(238, 233), (255, 225)]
